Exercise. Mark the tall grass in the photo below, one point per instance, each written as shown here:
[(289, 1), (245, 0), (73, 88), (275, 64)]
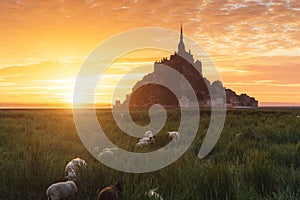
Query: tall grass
[(256, 157)]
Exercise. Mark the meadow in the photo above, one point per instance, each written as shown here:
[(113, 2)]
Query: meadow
[(256, 157)]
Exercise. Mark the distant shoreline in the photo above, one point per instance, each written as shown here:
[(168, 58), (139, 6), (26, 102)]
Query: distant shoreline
[(279, 104), (108, 108)]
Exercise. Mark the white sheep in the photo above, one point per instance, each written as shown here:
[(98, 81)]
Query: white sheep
[(107, 152), (61, 190), (148, 134), (173, 135), (110, 149), (145, 141), (298, 116), (153, 194), (74, 167)]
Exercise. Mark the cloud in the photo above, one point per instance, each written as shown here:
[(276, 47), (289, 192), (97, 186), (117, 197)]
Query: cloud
[(250, 40)]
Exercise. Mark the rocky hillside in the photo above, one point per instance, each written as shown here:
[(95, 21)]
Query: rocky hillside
[(143, 96)]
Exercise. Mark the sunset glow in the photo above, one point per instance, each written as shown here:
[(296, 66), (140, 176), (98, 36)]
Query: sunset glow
[(254, 43)]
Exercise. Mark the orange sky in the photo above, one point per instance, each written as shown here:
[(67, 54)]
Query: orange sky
[(254, 43)]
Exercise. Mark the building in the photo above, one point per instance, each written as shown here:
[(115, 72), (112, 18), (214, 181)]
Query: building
[(150, 90), (184, 102), (188, 56)]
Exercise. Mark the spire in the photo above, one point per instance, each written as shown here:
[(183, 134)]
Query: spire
[(181, 46), (181, 35)]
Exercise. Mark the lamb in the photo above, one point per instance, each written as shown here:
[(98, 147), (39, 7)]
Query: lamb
[(61, 190), (111, 192), (73, 168), (173, 135), (153, 194), (145, 141)]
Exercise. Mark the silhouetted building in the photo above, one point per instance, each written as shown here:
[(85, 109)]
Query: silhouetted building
[(145, 95)]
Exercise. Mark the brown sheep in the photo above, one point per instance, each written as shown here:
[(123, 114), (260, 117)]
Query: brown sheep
[(111, 192)]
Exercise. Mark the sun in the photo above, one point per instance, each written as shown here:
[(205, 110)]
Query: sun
[(67, 98)]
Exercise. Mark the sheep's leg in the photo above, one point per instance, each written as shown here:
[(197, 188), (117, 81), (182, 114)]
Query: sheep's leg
[(52, 197)]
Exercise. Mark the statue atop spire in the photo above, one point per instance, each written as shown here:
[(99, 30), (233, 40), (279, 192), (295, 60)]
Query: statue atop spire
[(181, 46)]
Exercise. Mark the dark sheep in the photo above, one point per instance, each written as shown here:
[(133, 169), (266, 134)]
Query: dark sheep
[(111, 192)]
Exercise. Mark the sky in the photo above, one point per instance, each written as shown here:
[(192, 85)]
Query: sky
[(255, 45)]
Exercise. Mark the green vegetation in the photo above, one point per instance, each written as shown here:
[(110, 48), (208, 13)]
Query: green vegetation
[(256, 157)]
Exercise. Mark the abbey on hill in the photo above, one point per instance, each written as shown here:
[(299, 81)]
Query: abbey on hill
[(144, 95)]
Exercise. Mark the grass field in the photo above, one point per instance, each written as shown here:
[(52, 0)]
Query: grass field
[(256, 157)]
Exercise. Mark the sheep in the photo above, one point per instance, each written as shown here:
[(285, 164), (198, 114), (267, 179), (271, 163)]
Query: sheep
[(110, 149), (145, 141), (148, 134), (111, 192), (73, 169), (96, 150), (61, 190), (238, 135), (173, 135), (298, 116), (107, 152), (153, 194)]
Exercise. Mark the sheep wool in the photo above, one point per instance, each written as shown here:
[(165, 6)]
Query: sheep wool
[(61, 190)]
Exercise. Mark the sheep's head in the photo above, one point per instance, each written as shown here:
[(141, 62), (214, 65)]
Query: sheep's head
[(151, 140), (76, 169)]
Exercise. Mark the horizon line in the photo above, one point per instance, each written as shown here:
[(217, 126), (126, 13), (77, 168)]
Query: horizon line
[(109, 106)]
